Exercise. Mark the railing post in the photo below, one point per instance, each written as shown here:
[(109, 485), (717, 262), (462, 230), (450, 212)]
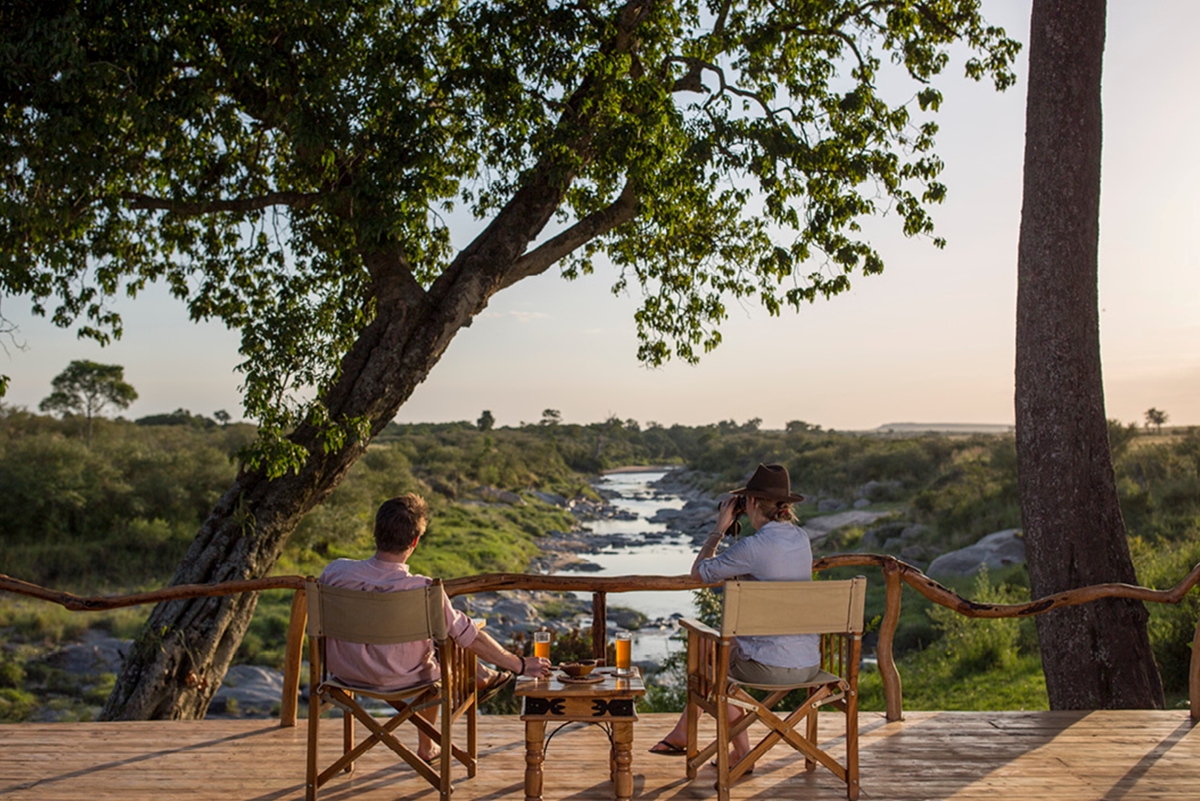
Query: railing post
[(292, 658), (892, 693), (599, 624), (1194, 675)]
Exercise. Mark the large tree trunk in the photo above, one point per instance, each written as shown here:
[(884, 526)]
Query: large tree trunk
[(1095, 656), (178, 662)]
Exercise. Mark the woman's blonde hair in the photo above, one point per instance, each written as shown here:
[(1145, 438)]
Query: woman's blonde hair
[(775, 511)]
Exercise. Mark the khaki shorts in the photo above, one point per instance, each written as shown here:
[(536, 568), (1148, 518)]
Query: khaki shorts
[(747, 671)]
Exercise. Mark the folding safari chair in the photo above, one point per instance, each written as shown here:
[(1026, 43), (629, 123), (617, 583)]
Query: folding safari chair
[(382, 618), (833, 609)]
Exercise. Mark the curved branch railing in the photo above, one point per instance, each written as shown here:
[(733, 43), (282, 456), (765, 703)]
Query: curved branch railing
[(895, 574)]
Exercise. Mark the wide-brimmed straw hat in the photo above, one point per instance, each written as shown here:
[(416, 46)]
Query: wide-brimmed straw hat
[(770, 482)]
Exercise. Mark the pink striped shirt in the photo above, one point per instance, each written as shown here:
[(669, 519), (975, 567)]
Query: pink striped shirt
[(387, 667)]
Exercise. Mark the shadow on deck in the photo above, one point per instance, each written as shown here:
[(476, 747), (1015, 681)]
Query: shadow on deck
[(1025, 756)]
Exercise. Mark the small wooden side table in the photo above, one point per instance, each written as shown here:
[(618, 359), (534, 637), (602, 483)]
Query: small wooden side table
[(610, 701)]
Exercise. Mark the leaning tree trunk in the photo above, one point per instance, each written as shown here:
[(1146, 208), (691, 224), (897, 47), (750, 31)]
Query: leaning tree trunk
[(1097, 655), (186, 646)]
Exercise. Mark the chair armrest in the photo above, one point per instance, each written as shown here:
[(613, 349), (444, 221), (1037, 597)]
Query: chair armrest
[(699, 628)]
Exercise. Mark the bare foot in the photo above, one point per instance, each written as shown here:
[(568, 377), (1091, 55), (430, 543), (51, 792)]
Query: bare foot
[(484, 677), (430, 757)]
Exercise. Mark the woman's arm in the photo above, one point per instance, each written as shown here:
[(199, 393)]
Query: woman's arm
[(725, 517)]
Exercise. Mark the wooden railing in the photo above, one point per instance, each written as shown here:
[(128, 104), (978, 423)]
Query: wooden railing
[(895, 574)]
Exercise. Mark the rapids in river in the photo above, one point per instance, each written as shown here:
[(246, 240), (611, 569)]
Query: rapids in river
[(636, 546)]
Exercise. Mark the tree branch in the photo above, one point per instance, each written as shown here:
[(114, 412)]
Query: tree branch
[(595, 224), (296, 200)]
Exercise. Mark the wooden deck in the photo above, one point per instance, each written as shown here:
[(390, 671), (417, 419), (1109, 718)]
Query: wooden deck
[(1017, 756)]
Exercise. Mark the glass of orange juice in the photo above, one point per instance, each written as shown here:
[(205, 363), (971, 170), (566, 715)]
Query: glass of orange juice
[(541, 644), (624, 653)]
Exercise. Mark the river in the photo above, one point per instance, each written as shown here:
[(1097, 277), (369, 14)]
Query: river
[(637, 546)]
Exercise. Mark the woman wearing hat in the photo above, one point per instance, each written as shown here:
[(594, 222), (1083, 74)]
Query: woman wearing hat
[(778, 551)]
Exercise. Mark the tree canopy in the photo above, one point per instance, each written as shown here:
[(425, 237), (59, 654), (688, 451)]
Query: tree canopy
[(260, 157), (87, 388)]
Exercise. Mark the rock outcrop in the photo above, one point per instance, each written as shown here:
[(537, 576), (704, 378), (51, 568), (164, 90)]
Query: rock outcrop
[(997, 551)]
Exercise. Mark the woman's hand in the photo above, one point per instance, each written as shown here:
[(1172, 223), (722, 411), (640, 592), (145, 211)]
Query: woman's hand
[(726, 514)]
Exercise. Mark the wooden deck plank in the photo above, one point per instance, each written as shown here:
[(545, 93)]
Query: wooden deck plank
[(958, 756)]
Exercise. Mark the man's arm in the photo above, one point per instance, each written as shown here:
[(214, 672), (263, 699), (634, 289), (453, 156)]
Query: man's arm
[(489, 650)]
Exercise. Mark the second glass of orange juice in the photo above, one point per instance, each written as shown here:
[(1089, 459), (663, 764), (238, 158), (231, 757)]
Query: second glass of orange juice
[(624, 653)]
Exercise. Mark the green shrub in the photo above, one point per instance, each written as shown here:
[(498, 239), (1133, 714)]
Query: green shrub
[(1171, 627), (977, 645), (16, 706)]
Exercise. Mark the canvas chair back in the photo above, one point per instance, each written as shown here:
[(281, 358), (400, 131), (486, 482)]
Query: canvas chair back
[(376, 618), (769, 608)]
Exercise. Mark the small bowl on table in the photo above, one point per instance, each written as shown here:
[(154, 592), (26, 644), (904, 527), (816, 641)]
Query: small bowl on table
[(577, 670)]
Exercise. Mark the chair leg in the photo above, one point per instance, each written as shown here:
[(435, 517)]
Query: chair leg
[(852, 785), (310, 772), (811, 730), (692, 712), (444, 785), (348, 735), (722, 749), (472, 740)]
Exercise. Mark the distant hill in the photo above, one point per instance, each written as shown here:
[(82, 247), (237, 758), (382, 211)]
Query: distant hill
[(943, 428)]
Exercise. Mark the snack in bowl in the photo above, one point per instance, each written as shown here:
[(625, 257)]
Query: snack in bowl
[(578, 670)]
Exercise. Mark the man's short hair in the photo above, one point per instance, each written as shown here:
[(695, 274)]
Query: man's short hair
[(399, 522)]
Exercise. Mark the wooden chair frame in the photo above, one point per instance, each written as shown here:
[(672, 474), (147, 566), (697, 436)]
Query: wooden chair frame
[(832, 609), (387, 618)]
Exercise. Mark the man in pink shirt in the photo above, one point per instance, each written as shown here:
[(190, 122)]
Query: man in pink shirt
[(399, 525)]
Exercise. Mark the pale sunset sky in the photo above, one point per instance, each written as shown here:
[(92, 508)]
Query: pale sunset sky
[(930, 340)]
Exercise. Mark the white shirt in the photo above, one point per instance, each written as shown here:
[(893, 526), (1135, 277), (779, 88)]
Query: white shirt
[(777, 552)]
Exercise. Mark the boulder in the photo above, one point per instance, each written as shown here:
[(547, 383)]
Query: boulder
[(500, 496), (98, 653), (254, 691), (552, 498), (619, 617), (695, 518), (997, 551)]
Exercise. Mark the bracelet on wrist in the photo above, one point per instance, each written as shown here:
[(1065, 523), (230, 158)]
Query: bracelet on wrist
[(521, 670)]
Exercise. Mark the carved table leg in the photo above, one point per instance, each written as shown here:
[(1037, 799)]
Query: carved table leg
[(622, 757), (535, 731)]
